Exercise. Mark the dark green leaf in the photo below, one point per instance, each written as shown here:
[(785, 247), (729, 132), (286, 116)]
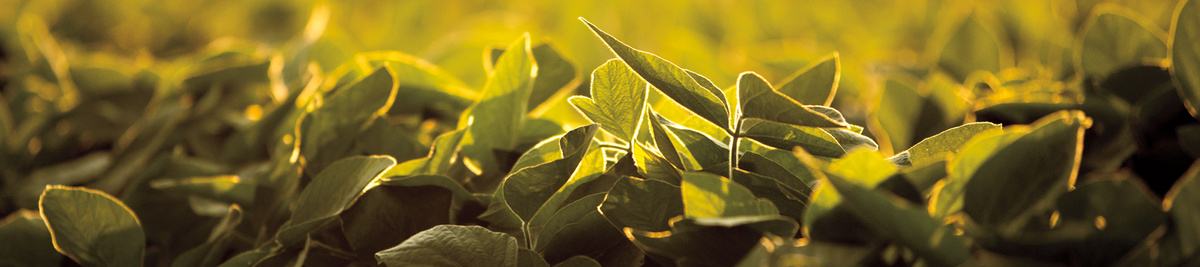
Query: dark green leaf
[(26, 241), (908, 225), (645, 205), (453, 245), (1123, 212), (1046, 160), (92, 227), (346, 112), (331, 192)]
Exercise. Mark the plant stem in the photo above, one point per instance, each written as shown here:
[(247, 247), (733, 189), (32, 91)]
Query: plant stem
[(733, 146)]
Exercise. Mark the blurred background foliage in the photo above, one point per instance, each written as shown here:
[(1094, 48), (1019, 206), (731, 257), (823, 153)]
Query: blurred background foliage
[(878, 40), (899, 59)]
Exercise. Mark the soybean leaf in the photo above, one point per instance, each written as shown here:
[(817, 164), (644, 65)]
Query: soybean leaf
[(645, 205), (453, 245), (653, 166), (346, 112), (554, 73), (529, 258), (962, 167), (905, 224), (816, 141), (27, 242), (1123, 212), (815, 84), (1183, 204), (580, 220), (673, 81), (388, 214), (425, 87), (618, 100), (212, 250), (780, 165), (442, 155), (757, 99), (332, 191), (935, 147), (1116, 39), (791, 202), (710, 196), (1185, 54), (711, 241), (971, 46), (864, 167), (92, 227), (578, 261), (495, 121), (526, 191), (1046, 160)]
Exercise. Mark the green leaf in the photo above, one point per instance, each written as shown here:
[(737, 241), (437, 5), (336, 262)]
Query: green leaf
[(92, 227), (388, 214), (495, 121), (618, 100), (780, 165), (1185, 54), (1046, 160), (899, 111), (790, 201), (1114, 39), (26, 241), (905, 224), (757, 99), (675, 82), (1123, 212), (527, 191), (711, 241), (559, 238), (962, 167), (936, 147), (815, 84), (1183, 204), (864, 167), (529, 258), (578, 261), (554, 73), (645, 205), (453, 245), (971, 46), (654, 166), (707, 195), (213, 250), (425, 87), (346, 112), (331, 192), (816, 141), (441, 157)]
